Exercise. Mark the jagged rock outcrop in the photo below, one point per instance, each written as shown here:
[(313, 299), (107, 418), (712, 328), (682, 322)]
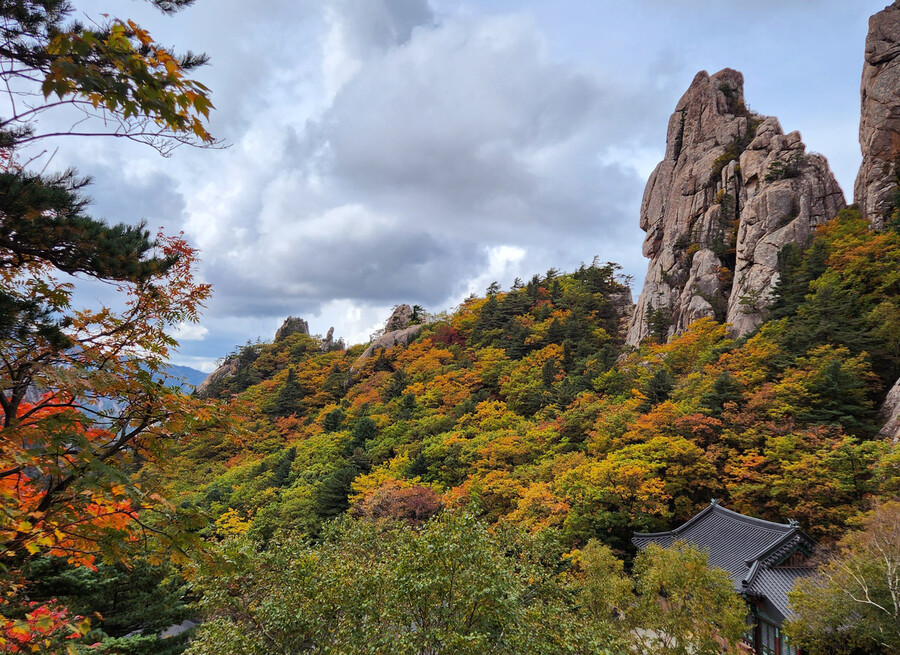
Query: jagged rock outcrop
[(389, 340), (732, 190), (879, 126), (328, 341), (878, 181), (292, 325), (228, 369), (397, 332), (623, 303), (399, 319)]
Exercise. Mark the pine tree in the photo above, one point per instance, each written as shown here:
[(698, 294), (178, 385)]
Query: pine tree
[(287, 400)]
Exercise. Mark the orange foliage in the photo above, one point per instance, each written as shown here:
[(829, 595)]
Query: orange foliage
[(31, 517)]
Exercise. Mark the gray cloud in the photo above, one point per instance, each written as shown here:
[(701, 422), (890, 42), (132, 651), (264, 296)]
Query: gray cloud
[(378, 24), (152, 196), (406, 151), (450, 139)]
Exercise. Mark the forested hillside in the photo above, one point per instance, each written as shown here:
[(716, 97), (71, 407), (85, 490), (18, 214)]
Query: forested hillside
[(524, 405)]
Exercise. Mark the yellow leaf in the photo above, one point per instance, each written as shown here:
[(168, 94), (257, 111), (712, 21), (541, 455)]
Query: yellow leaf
[(45, 540)]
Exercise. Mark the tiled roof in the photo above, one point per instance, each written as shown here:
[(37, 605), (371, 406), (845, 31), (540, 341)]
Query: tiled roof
[(773, 584), (747, 548)]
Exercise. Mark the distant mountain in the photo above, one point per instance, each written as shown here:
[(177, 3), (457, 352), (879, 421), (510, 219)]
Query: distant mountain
[(189, 377)]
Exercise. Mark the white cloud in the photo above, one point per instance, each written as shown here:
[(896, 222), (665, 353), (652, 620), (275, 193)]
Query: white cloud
[(503, 263), (190, 332)]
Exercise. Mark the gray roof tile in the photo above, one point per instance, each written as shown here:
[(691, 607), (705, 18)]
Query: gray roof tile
[(747, 548)]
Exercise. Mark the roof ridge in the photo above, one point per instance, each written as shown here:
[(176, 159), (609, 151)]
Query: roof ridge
[(785, 539), (667, 533), (782, 527), (715, 507), (748, 577), (795, 536), (696, 519)]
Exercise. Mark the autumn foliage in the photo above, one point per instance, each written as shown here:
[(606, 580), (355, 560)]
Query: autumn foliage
[(524, 406)]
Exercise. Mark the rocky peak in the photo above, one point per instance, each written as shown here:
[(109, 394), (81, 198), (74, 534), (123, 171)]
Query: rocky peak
[(228, 369), (328, 341), (292, 325), (397, 332), (732, 190), (879, 126), (399, 319)]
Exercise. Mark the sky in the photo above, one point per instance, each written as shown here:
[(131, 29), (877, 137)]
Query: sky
[(413, 151)]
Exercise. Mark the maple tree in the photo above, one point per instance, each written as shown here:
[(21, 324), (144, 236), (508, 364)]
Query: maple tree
[(85, 402)]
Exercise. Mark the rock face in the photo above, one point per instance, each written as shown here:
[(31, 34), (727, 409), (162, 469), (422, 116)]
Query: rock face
[(389, 340), (623, 303), (879, 126), (397, 332), (328, 341), (732, 190), (879, 138), (890, 414), (399, 319), (292, 325), (228, 368)]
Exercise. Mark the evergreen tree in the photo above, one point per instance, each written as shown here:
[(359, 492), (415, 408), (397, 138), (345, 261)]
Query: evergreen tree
[(332, 497), (659, 320), (724, 390), (658, 389), (333, 420), (363, 430), (282, 470), (287, 400), (132, 605)]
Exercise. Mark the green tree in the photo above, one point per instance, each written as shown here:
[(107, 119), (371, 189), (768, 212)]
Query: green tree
[(604, 593), (451, 586), (135, 603), (659, 321), (683, 606), (854, 600), (287, 400)]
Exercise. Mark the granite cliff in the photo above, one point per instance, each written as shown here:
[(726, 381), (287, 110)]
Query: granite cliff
[(879, 128), (732, 190), (877, 189)]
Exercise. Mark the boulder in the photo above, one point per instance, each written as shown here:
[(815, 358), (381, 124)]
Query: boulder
[(890, 414), (388, 340), (397, 332)]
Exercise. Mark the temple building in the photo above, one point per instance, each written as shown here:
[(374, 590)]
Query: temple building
[(764, 559)]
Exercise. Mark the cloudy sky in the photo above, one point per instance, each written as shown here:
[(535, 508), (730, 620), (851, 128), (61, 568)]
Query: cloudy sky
[(388, 151)]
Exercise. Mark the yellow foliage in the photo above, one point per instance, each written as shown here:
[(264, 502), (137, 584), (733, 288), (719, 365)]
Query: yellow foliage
[(232, 524)]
